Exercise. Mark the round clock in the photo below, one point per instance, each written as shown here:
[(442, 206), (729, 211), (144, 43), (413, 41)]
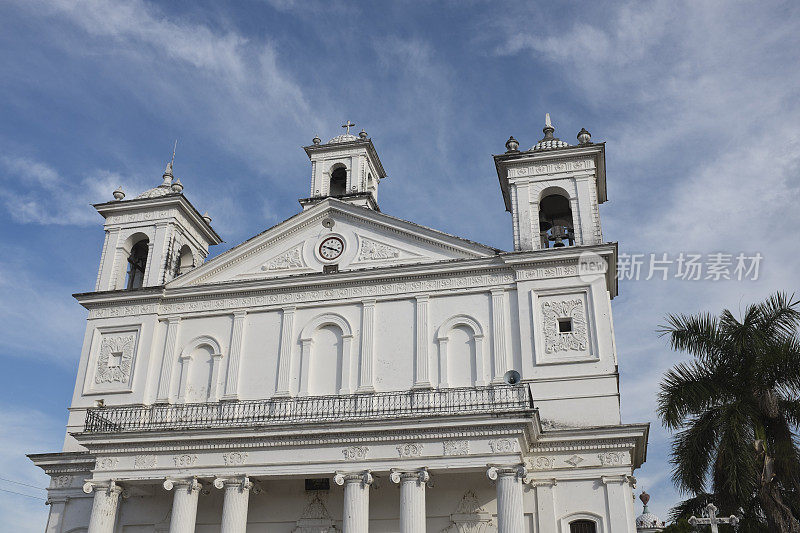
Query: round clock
[(331, 248)]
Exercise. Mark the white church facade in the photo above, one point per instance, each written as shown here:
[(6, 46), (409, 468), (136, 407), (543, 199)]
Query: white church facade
[(346, 370)]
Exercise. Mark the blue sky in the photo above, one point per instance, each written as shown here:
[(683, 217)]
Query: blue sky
[(698, 102)]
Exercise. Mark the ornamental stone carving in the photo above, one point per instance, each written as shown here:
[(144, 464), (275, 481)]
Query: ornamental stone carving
[(292, 258), (555, 340), (470, 517), (144, 461), (115, 358), (575, 460), (456, 447), (612, 458), (541, 463), (315, 517), (60, 482), (504, 445), (375, 251), (409, 450), (355, 452), (184, 460), (234, 458), (106, 463)]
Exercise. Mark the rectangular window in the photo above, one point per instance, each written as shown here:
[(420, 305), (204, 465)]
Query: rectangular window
[(565, 325)]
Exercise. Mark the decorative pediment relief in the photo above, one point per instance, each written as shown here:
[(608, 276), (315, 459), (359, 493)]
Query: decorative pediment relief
[(288, 260), (315, 517), (371, 250), (470, 517)]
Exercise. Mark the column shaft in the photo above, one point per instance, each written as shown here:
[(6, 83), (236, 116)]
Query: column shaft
[(412, 499), (184, 506), (234, 508), (104, 509), (356, 501), (510, 514)]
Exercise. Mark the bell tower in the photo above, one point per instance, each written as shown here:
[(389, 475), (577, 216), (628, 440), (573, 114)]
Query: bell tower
[(347, 167), (153, 238), (553, 191)]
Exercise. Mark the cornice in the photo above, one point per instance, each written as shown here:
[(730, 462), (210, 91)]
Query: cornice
[(383, 282)]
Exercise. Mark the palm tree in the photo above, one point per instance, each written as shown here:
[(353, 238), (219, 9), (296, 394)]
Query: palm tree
[(734, 410)]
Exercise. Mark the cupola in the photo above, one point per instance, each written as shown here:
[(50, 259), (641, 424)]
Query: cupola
[(347, 168)]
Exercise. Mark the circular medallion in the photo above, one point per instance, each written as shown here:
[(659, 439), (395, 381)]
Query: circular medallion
[(331, 248)]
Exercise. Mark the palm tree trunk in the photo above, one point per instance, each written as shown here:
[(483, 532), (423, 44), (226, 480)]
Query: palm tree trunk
[(779, 515)]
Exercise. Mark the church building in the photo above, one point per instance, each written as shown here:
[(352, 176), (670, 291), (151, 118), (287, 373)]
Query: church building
[(347, 370)]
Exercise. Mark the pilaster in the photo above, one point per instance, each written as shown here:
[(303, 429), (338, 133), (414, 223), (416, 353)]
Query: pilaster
[(365, 380), (168, 362), (499, 298), (285, 356), (422, 378), (237, 341)]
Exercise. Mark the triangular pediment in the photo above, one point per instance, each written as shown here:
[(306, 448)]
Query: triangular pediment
[(332, 233)]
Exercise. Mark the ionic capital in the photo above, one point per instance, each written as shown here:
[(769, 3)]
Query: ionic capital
[(364, 477), (191, 484), (420, 475), (241, 482), (110, 486), (497, 471)]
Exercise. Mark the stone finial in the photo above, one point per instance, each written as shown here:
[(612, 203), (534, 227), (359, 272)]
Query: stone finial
[(207, 218), (177, 186), (316, 139), (584, 137), (119, 194), (362, 134), (512, 145), (548, 128), (167, 175)]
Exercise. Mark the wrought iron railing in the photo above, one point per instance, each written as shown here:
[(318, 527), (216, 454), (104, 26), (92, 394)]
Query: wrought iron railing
[(311, 409)]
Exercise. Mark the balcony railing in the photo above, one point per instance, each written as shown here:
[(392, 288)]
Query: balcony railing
[(312, 409)]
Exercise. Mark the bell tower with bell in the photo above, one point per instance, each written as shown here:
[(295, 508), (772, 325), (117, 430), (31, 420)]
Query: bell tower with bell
[(347, 168), (553, 190)]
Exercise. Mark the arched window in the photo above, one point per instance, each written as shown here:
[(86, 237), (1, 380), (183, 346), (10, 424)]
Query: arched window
[(326, 361), (555, 222), (338, 182), (582, 526), (137, 261), (185, 260)]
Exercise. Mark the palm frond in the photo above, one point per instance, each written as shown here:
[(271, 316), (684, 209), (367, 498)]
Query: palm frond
[(689, 389), (697, 335), (692, 451)]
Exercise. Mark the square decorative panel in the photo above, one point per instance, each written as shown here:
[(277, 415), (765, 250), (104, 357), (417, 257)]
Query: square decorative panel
[(112, 361), (564, 327)]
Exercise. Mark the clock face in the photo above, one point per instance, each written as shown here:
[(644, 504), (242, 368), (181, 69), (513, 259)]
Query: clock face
[(331, 248)]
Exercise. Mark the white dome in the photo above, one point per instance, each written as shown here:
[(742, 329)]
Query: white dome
[(549, 144), (648, 520), (343, 138)]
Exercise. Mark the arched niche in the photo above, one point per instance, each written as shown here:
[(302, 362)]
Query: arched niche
[(197, 378), (327, 326), (557, 212), (448, 354), (337, 183), (132, 261)]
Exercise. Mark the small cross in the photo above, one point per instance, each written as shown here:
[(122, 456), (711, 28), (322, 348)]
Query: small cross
[(712, 519), (347, 126)]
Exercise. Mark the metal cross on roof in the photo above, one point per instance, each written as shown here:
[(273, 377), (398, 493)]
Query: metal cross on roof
[(712, 519), (347, 126)]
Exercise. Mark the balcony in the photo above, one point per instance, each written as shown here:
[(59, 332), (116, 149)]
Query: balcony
[(383, 406)]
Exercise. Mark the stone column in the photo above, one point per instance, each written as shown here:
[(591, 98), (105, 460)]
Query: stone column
[(234, 508), (356, 500), (510, 515), (412, 498), (104, 507), (184, 504), (56, 515)]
